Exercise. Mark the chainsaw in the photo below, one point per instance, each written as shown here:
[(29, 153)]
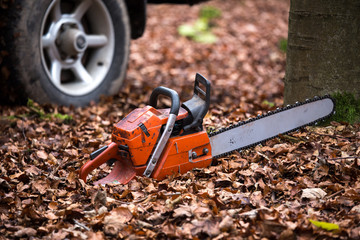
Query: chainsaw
[(159, 142)]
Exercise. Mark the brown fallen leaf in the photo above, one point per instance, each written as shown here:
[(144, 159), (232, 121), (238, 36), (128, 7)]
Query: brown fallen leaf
[(205, 228), (313, 193), (226, 224), (59, 235), (53, 205), (40, 186), (25, 232), (355, 209), (182, 211), (33, 170), (41, 157), (116, 219), (95, 236), (42, 154), (287, 234), (4, 185), (99, 197)]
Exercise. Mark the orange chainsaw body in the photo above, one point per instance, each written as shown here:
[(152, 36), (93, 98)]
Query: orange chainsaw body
[(128, 132), (135, 139), (175, 156)]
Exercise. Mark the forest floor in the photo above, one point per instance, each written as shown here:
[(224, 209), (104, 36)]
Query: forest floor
[(304, 185)]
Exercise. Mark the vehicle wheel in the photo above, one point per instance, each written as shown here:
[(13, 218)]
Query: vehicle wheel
[(70, 51)]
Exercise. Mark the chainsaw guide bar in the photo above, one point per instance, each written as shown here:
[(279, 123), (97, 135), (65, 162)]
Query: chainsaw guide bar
[(159, 142), (319, 116)]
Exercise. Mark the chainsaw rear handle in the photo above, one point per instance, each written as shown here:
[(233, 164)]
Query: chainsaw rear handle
[(173, 95)]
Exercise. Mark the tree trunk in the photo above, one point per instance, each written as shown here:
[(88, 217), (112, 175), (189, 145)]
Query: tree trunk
[(323, 54)]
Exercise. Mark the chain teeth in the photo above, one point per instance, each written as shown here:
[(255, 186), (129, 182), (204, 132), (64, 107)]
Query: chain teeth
[(316, 98)]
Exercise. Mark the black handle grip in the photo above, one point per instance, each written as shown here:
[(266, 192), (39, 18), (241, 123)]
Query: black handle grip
[(197, 90), (175, 100), (199, 104)]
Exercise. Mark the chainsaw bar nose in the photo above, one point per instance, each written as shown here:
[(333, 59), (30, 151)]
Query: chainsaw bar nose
[(122, 172)]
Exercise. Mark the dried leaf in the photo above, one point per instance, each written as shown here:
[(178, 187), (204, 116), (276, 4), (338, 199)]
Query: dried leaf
[(53, 205), (226, 224), (95, 236), (25, 232), (355, 209), (42, 154), (182, 211), (40, 186), (207, 227), (313, 193), (118, 215), (254, 193), (99, 197)]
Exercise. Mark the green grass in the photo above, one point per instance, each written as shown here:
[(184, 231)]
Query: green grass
[(283, 45), (209, 12), (267, 103), (200, 30), (37, 110)]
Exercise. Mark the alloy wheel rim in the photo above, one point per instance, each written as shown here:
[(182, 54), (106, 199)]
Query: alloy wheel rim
[(77, 45)]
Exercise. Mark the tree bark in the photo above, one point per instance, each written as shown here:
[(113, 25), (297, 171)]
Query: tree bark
[(323, 54)]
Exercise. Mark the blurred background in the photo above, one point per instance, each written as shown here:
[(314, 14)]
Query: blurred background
[(244, 57)]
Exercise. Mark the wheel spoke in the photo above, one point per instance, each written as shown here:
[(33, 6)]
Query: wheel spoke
[(46, 41), (81, 73), (81, 9), (56, 12), (56, 72), (49, 48), (96, 40)]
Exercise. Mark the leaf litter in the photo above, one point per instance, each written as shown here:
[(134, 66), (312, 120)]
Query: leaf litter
[(283, 189)]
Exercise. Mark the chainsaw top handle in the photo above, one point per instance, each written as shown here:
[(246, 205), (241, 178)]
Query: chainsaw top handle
[(175, 100)]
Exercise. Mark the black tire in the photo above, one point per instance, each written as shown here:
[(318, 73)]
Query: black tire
[(32, 66)]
